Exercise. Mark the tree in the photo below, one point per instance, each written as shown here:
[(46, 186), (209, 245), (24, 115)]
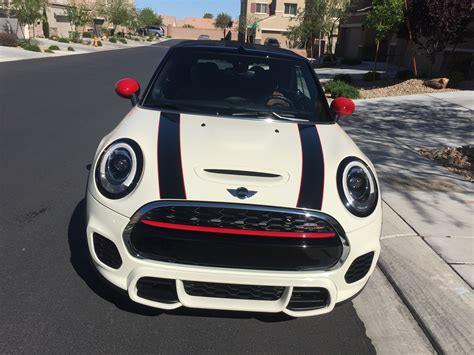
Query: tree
[(147, 17), (28, 12), (435, 24), (311, 23), (384, 17), (117, 12), (79, 16), (336, 10), (208, 15), (45, 23), (223, 21)]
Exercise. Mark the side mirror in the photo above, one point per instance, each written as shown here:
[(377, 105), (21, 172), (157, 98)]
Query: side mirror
[(342, 107), (129, 89)]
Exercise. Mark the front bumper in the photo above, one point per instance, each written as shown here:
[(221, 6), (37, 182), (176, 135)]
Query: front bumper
[(111, 225)]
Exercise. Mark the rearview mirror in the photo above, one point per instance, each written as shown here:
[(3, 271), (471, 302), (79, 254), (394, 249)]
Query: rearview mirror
[(342, 107), (129, 89)]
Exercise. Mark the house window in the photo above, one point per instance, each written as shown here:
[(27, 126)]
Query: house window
[(261, 8), (290, 9)]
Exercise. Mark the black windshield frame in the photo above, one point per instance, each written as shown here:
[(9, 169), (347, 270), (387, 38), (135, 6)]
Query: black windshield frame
[(325, 118)]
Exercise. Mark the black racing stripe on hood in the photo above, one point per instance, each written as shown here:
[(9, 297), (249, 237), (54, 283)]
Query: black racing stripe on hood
[(170, 170), (312, 174)]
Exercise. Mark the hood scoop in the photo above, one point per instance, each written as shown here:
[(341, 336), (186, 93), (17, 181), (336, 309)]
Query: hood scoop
[(233, 176)]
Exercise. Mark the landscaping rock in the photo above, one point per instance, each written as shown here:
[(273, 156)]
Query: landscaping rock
[(438, 83)]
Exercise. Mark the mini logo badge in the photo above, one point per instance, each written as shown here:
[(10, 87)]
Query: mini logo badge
[(241, 193)]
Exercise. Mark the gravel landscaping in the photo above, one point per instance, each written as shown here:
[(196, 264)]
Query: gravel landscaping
[(383, 88), (457, 159)]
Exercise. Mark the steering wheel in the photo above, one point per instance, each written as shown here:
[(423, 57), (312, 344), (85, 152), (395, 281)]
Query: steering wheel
[(278, 100)]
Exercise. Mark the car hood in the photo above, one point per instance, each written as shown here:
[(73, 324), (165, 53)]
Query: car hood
[(222, 159)]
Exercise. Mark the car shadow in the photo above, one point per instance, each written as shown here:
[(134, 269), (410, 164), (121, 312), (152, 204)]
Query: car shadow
[(82, 263)]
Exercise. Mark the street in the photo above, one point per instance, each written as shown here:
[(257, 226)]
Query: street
[(53, 114)]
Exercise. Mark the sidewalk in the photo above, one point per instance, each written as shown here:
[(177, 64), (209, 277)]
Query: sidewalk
[(428, 236), (356, 71), (8, 54)]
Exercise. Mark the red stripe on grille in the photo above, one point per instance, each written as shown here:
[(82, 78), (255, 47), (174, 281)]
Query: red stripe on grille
[(185, 227)]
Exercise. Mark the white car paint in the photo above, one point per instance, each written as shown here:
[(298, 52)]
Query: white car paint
[(231, 143)]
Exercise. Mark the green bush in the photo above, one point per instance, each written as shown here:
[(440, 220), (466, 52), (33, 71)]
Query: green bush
[(31, 47), (8, 40), (63, 40), (136, 39), (49, 51), (87, 35), (351, 61), (343, 77), (149, 39), (113, 40), (339, 88), (371, 76), (53, 48), (455, 77), (99, 44), (123, 40), (70, 49), (405, 74)]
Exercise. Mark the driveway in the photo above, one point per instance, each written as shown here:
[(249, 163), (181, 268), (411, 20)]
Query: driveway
[(356, 71)]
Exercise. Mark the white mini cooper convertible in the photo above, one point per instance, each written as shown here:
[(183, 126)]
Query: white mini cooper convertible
[(230, 186)]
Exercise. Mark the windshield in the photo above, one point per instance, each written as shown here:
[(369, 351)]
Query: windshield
[(213, 83)]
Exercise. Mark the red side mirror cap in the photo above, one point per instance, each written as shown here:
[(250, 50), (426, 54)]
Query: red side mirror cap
[(127, 88), (342, 106)]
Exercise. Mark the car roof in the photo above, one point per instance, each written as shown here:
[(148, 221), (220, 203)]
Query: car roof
[(235, 46)]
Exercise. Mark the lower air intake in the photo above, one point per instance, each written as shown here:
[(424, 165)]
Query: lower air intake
[(106, 251), (308, 298), (157, 290), (240, 292), (359, 268)]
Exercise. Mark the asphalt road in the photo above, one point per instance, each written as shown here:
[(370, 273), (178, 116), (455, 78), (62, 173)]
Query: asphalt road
[(53, 113)]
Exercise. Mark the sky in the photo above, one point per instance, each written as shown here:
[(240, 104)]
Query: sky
[(191, 8)]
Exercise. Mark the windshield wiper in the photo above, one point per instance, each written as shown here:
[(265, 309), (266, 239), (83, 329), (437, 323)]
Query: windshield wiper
[(269, 114)]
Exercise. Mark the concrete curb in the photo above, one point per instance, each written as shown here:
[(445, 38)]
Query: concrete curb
[(441, 302)]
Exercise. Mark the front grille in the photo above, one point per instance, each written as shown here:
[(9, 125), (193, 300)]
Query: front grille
[(235, 236), (239, 218), (240, 292), (106, 251), (308, 298), (158, 290), (359, 268)]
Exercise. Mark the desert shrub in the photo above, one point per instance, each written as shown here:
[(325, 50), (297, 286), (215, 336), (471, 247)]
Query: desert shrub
[(99, 44), (53, 48), (455, 77), (351, 61), (112, 40), (63, 40), (123, 40), (405, 74), (87, 35), (149, 39), (75, 36), (31, 47), (341, 89), (49, 51), (70, 49), (343, 77), (8, 40), (136, 39), (371, 76)]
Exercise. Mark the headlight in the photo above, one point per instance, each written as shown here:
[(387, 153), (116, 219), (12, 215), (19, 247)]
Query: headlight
[(357, 187), (119, 169)]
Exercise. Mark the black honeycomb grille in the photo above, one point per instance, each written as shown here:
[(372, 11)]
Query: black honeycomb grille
[(359, 268), (107, 252), (236, 218), (242, 292)]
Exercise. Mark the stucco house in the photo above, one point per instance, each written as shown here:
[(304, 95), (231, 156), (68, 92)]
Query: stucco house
[(269, 18)]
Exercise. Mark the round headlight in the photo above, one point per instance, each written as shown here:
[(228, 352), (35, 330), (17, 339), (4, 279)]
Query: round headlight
[(119, 169), (357, 187)]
